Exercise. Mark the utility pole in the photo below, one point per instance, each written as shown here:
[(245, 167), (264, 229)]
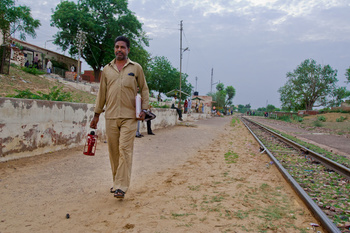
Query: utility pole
[(181, 51), (47, 41), (179, 105), (196, 82), (81, 37), (211, 82)]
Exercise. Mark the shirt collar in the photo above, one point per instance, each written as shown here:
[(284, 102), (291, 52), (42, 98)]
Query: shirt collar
[(128, 61)]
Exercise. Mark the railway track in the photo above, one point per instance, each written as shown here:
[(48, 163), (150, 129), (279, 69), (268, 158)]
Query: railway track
[(322, 183)]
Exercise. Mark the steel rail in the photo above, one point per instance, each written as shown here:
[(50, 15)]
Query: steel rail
[(318, 213), (339, 168)]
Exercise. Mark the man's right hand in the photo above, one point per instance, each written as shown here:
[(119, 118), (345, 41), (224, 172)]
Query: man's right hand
[(93, 123)]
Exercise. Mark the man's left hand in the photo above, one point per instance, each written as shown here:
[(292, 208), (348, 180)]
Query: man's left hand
[(141, 116)]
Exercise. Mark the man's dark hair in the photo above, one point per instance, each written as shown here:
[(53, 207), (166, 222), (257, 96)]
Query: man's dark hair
[(123, 38)]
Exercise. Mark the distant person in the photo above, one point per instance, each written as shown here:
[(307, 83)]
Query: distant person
[(49, 66), (26, 64), (36, 61), (118, 88), (189, 108), (179, 112), (186, 105), (149, 117), (138, 134)]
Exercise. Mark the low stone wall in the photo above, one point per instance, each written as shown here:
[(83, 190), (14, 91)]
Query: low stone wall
[(33, 127)]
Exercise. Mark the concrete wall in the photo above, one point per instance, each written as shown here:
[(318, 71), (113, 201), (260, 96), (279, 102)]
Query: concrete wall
[(32, 127)]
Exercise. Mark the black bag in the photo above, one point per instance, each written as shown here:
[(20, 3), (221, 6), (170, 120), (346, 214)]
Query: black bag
[(149, 116)]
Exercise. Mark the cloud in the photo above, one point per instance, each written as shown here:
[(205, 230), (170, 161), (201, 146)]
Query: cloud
[(252, 15)]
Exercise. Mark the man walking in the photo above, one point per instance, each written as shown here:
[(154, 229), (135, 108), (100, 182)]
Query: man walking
[(49, 66), (118, 88)]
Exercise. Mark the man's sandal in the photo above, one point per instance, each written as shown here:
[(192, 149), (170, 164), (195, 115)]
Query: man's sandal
[(119, 193), (111, 190)]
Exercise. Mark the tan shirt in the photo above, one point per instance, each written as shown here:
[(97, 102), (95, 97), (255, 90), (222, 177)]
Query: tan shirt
[(119, 88)]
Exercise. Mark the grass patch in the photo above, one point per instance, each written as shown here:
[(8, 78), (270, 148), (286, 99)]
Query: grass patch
[(317, 123), (33, 71), (240, 214), (194, 188), (55, 94), (231, 157), (175, 215), (26, 82), (234, 121)]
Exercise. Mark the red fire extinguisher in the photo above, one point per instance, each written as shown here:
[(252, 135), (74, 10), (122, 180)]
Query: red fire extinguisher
[(90, 144)]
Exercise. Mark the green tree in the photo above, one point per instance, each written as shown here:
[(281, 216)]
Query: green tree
[(101, 21), (338, 95), (347, 75), (185, 85), (219, 96), (16, 19), (231, 92), (309, 85), (162, 76), (270, 108), (223, 96)]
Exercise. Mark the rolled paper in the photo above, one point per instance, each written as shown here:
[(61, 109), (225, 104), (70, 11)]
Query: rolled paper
[(138, 105)]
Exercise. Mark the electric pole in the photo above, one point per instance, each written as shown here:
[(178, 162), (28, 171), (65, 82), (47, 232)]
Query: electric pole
[(181, 51), (211, 82), (196, 82), (80, 40), (179, 105)]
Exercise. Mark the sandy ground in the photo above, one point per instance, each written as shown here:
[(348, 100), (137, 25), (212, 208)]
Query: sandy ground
[(181, 183)]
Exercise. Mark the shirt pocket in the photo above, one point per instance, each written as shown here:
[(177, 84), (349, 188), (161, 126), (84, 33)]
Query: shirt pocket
[(129, 81)]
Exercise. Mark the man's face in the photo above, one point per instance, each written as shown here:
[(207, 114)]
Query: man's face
[(121, 51)]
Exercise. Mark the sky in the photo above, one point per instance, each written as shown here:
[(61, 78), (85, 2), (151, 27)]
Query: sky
[(249, 44)]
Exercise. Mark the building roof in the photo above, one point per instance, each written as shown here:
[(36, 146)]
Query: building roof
[(23, 43)]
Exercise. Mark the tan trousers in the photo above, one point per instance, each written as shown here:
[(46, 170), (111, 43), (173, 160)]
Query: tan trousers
[(120, 138)]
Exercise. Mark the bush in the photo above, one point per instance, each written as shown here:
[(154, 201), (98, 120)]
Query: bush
[(34, 71), (60, 65), (26, 94), (325, 110), (156, 105), (298, 118), (317, 123), (54, 95), (341, 119), (321, 118), (285, 118)]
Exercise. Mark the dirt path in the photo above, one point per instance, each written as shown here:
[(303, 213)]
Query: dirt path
[(181, 183)]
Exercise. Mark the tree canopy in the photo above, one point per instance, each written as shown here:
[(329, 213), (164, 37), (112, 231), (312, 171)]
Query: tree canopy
[(310, 85), (223, 96), (16, 19), (163, 77), (101, 21), (347, 75)]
